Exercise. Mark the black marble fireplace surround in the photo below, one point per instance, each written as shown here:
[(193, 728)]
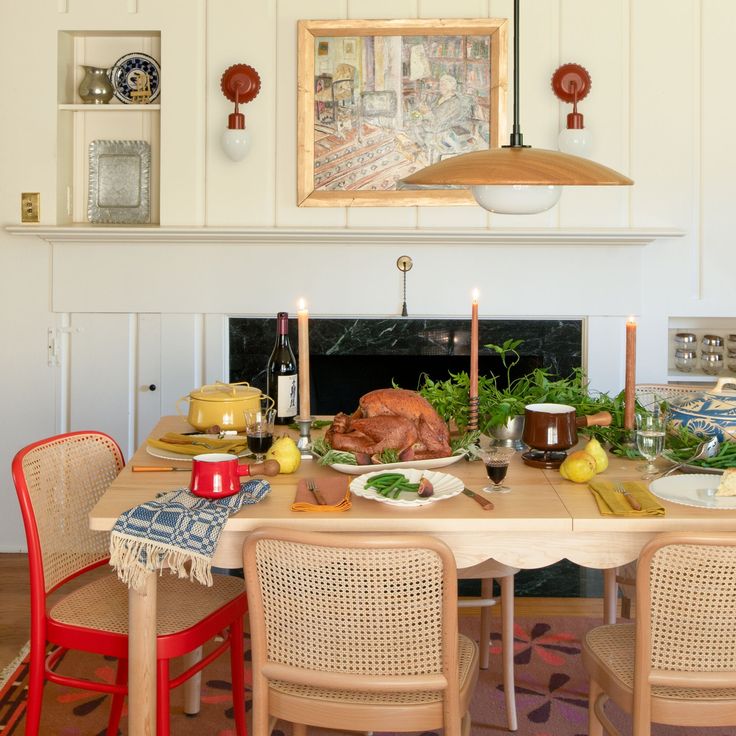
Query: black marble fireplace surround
[(350, 356)]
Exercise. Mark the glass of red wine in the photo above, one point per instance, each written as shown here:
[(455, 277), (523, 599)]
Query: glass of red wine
[(259, 431), (496, 460)]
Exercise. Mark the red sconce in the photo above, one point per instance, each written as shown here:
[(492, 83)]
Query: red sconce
[(240, 84)]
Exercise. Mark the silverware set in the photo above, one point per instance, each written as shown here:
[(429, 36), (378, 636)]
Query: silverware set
[(312, 486)]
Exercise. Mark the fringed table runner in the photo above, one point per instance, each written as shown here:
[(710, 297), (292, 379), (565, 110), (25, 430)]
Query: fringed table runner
[(175, 529)]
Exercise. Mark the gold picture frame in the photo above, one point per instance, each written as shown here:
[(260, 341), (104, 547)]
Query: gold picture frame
[(378, 100)]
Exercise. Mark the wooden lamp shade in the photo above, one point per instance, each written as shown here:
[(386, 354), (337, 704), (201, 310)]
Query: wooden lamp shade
[(517, 165)]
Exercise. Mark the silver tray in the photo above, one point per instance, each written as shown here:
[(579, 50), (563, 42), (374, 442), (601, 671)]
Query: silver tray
[(119, 182)]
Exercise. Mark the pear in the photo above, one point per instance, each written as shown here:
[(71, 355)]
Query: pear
[(599, 454), (284, 450), (579, 467)]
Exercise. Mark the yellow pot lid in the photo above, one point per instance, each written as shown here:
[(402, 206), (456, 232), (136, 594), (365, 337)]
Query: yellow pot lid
[(225, 392)]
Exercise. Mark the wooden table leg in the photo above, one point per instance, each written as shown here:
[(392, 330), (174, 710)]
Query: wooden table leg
[(610, 595), (193, 686), (142, 659)]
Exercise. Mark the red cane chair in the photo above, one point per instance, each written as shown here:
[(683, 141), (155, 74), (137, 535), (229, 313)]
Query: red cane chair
[(58, 480)]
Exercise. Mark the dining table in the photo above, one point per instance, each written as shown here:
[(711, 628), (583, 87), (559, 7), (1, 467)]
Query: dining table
[(543, 519)]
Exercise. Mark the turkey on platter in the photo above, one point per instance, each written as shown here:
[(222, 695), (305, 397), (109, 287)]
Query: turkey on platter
[(395, 419)]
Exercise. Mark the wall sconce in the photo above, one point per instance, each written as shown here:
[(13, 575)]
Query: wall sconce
[(240, 84), (571, 83)]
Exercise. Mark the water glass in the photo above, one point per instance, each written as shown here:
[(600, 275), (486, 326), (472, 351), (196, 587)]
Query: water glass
[(651, 427), (259, 431), (496, 460)]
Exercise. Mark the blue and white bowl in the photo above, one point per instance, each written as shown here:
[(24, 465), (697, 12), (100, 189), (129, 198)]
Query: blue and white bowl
[(711, 412)]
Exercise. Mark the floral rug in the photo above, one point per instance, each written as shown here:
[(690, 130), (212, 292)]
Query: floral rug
[(551, 692)]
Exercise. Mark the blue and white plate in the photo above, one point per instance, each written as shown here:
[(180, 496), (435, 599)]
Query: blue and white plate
[(133, 76)]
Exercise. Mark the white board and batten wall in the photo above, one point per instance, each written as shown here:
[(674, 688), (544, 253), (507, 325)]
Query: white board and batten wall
[(89, 325)]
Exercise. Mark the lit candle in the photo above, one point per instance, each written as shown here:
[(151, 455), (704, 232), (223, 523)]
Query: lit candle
[(630, 383), (303, 323), (473, 391)]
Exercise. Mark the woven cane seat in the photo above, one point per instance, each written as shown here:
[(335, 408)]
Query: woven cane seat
[(467, 662), (103, 604), (613, 646)]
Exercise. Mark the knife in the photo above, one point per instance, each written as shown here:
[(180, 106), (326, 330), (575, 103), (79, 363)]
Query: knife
[(484, 502), (156, 469)]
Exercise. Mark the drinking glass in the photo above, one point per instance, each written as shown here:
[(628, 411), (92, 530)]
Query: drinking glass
[(259, 431), (496, 460), (651, 427)]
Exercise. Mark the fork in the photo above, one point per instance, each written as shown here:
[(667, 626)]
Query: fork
[(318, 496), (619, 488)]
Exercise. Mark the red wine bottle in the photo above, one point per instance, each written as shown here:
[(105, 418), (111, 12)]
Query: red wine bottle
[(281, 373)]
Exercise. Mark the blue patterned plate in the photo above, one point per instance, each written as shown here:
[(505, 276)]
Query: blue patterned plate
[(136, 78)]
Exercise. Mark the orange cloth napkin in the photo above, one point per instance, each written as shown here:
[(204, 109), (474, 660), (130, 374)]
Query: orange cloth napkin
[(335, 491), (612, 503)]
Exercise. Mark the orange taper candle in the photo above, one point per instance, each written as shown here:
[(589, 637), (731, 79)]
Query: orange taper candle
[(473, 391), (303, 325), (630, 382)]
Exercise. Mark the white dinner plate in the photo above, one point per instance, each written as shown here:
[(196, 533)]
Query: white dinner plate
[(180, 456), (445, 486), (435, 462), (692, 490)]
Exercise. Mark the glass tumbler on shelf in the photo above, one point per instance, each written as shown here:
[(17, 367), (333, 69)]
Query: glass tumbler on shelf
[(685, 360), (731, 363), (711, 363), (685, 340), (651, 427)]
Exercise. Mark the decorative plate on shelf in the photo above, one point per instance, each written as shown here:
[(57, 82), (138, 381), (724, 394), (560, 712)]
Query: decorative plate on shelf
[(435, 462), (119, 182), (136, 78), (445, 486)]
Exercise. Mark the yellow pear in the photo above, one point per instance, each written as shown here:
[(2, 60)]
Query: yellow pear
[(284, 450), (579, 467), (599, 454)]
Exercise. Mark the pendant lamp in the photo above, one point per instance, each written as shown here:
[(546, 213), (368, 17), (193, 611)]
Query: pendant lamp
[(517, 179)]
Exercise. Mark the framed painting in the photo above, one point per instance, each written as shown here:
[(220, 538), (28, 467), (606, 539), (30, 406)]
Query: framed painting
[(379, 100)]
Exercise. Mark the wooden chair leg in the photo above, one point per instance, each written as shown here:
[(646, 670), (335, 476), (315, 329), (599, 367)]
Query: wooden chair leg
[(507, 648), (162, 697), (594, 725), (238, 676), (625, 606), (298, 729), (484, 640), (610, 595), (116, 709)]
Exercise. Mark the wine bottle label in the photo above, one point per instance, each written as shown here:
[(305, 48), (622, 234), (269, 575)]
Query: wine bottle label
[(286, 401)]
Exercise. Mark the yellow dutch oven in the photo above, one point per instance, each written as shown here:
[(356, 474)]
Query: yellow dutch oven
[(222, 404)]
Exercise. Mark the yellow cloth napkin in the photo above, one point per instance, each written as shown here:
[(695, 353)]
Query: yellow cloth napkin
[(612, 503), (184, 444), (335, 491)]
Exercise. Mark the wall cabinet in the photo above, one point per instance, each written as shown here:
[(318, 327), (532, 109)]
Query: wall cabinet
[(79, 124)]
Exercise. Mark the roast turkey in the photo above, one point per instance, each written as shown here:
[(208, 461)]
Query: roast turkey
[(392, 418)]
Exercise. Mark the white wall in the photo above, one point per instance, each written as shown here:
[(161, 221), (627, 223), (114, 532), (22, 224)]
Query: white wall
[(659, 109)]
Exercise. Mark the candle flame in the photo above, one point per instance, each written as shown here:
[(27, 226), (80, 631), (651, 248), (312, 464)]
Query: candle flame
[(631, 320), (475, 294), (302, 305)]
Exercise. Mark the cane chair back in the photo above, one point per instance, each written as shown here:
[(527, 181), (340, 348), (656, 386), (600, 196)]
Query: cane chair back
[(677, 663), (58, 480), (356, 632)]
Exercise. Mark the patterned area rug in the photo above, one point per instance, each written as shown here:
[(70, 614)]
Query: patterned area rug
[(551, 692)]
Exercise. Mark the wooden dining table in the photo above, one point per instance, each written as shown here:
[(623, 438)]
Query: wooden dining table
[(542, 520)]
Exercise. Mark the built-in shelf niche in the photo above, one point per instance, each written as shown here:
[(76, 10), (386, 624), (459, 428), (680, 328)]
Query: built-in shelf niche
[(79, 124), (699, 326)]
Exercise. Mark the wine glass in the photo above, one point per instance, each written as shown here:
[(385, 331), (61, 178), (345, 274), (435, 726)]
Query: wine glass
[(651, 427), (259, 431), (496, 460)]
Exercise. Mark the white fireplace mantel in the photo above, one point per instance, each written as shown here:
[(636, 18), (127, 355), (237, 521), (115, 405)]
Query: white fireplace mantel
[(102, 234)]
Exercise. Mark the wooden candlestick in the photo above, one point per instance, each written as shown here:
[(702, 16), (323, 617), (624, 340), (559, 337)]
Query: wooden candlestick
[(473, 389), (630, 382), (303, 325)]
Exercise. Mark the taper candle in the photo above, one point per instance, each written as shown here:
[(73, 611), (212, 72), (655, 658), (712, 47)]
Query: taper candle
[(303, 325), (473, 391), (630, 381)]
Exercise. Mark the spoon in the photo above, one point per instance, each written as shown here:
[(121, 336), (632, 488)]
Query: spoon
[(707, 448)]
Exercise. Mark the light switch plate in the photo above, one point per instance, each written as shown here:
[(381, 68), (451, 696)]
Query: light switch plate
[(30, 207)]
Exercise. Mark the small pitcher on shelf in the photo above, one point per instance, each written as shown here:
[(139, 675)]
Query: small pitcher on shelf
[(96, 87)]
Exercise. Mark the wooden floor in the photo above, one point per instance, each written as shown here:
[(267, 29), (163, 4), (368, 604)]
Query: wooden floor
[(15, 606)]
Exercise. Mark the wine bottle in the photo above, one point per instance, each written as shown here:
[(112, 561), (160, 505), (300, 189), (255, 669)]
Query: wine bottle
[(281, 373)]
